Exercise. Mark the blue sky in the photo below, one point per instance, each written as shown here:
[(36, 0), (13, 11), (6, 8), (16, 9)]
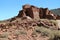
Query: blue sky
[(10, 8)]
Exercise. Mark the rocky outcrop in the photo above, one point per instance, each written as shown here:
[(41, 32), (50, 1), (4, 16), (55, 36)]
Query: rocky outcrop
[(37, 13), (24, 29), (25, 25)]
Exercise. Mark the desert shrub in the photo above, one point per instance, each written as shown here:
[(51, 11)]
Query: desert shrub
[(18, 32), (3, 38), (48, 32), (53, 21), (4, 35), (23, 32), (44, 31)]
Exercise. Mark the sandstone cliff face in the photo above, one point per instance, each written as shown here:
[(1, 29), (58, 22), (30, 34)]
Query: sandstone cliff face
[(37, 13)]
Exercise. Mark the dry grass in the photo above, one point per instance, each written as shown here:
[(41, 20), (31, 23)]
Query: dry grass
[(48, 32)]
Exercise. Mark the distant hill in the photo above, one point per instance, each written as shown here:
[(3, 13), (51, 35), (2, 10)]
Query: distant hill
[(56, 11)]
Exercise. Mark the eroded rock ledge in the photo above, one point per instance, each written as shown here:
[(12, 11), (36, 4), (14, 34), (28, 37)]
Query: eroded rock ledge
[(37, 13)]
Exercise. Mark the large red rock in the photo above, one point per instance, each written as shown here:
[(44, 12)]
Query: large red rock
[(26, 6), (30, 11), (21, 13), (37, 13)]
